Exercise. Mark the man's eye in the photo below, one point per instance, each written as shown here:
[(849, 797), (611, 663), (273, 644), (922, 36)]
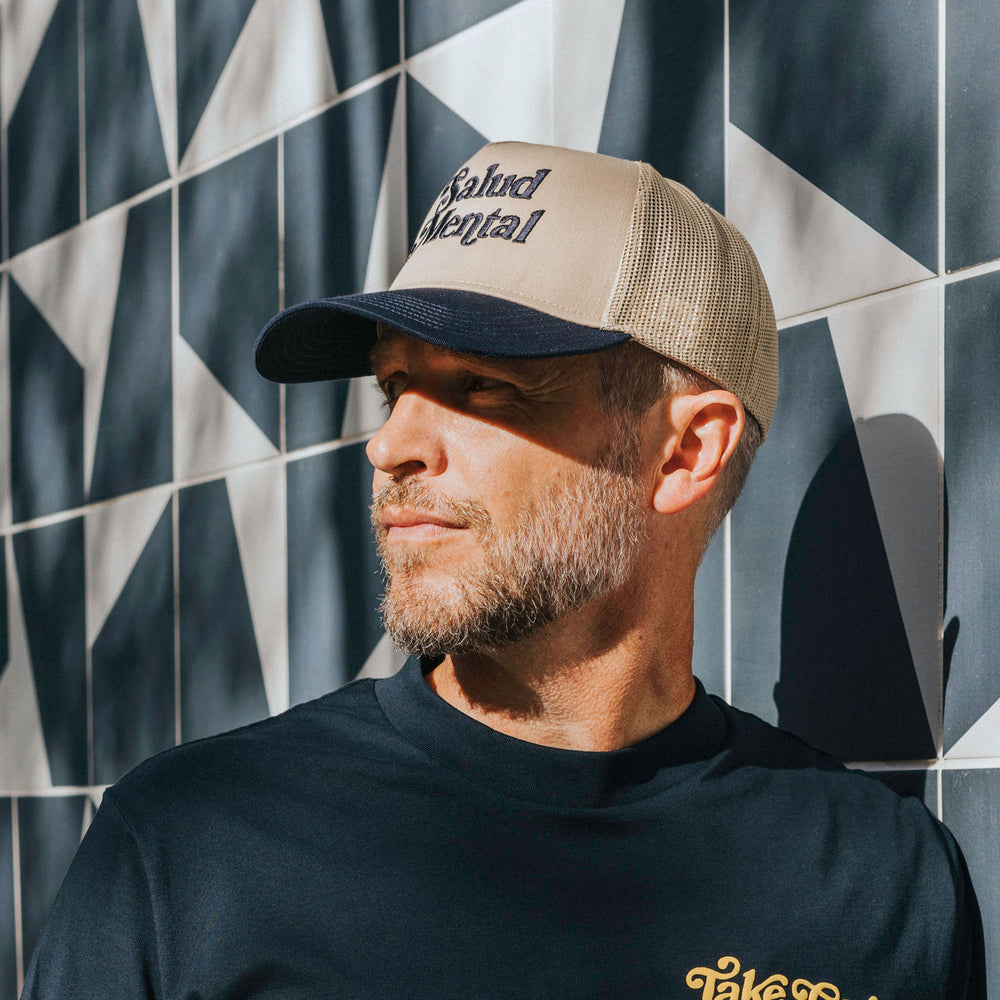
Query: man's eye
[(390, 393), (483, 383)]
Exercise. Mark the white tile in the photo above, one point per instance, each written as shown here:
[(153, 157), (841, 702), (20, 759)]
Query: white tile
[(211, 430), (389, 243), (279, 68), (257, 499), (116, 534), (72, 280), (159, 33), (497, 75), (6, 513), (383, 661), (585, 41), (24, 761), (983, 739)]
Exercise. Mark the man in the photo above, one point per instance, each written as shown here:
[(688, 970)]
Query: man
[(579, 359)]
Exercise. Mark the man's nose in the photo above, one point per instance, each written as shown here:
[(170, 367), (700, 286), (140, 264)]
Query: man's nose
[(409, 442)]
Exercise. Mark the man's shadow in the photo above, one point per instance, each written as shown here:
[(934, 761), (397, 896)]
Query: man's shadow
[(860, 602)]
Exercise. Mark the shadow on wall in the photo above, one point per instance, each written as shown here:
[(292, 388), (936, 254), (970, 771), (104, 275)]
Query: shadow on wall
[(859, 648)]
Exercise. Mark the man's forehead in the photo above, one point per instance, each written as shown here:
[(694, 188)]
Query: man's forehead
[(391, 343)]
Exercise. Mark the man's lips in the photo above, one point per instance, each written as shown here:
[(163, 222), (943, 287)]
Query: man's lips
[(413, 523)]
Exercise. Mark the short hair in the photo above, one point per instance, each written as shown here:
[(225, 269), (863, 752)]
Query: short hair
[(633, 378)]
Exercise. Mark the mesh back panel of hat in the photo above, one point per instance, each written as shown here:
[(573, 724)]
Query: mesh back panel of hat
[(690, 288)]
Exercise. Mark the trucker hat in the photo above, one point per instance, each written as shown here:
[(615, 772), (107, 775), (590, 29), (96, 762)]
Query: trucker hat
[(536, 251)]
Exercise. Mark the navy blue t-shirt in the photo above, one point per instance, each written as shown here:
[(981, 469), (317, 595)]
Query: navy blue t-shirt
[(379, 843)]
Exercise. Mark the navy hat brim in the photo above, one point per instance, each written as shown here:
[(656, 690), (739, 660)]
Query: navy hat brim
[(333, 338)]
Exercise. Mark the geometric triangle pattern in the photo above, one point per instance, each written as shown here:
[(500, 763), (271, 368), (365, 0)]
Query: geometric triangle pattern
[(279, 68), (120, 106), (896, 423), (813, 250), (807, 544), (514, 101), (228, 273), (205, 37), (86, 293), (43, 124), (666, 101), (157, 20), (803, 87), (327, 251), (972, 517), (186, 546), (67, 281)]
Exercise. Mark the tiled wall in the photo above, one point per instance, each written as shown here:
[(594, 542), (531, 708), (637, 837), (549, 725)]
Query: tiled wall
[(184, 544)]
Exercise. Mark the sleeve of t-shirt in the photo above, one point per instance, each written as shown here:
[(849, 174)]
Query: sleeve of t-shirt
[(99, 940), (968, 971)]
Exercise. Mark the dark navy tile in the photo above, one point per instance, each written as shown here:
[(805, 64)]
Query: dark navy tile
[(333, 173), (665, 103), (46, 403), (363, 38), (8, 940), (972, 488), (133, 664), (438, 142), (916, 783), (972, 175), (814, 604), (221, 681), (334, 582), (50, 570), (314, 412), (43, 139), (846, 95), (709, 618), (970, 809), (50, 831), (206, 35), (430, 21), (124, 144), (229, 273), (972, 95), (134, 439)]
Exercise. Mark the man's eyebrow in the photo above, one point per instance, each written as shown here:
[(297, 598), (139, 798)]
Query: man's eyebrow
[(376, 356)]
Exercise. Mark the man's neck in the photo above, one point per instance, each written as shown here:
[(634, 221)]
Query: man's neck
[(597, 679)]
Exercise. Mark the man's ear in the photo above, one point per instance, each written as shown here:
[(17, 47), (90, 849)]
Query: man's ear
[(703, 431)]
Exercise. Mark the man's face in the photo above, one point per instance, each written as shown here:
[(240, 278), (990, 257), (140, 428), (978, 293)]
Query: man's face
[(504, 495)]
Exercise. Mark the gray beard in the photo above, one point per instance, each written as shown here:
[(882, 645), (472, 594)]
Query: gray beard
[(566, 546)]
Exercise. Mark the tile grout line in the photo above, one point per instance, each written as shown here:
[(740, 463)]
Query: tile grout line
[(55, 791), (725, 106), (282, 393), (299, 454), (881, 294), (727, 534), (942, 65), (175, 332), (88, 655), (727, 609), (238, 150)]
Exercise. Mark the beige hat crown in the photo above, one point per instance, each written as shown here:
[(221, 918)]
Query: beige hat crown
[(539, 251)]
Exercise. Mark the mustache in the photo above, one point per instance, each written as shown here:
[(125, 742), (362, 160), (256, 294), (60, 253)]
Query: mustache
[(467, 512)]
